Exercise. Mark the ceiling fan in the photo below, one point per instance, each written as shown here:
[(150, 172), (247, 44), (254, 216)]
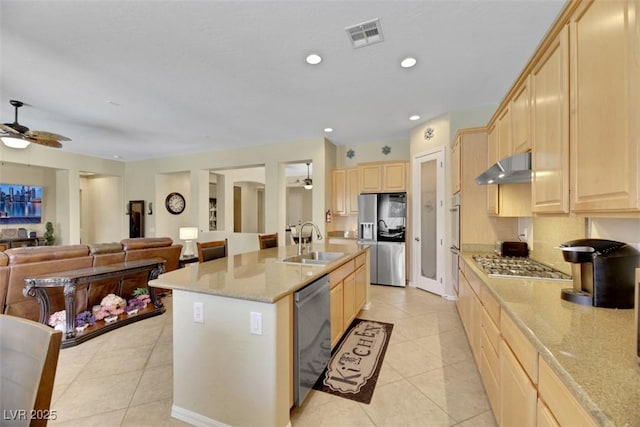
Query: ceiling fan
[(15, 135)]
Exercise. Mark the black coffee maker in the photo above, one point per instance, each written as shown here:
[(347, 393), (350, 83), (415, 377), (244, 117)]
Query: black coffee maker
[(603, 272)]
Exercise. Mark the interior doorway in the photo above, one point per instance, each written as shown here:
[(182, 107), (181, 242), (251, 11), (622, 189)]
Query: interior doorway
[(428, 258)]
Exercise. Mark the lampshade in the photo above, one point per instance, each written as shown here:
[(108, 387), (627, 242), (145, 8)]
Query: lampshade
[(15, 141), (188, 233)]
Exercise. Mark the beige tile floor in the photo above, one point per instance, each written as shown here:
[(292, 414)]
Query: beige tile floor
[(428, 377)]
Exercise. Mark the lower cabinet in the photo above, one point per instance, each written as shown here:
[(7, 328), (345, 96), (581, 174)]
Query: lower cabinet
[(349, 300), (348, 294), (518, 395), (563, 407), (521, 387), (337, 315), (544, 417)]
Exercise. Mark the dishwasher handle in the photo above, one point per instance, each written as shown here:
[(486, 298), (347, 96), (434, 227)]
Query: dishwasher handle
[(311, 290)]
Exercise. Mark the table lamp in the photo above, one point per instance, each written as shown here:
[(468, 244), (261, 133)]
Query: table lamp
[(188, 234)]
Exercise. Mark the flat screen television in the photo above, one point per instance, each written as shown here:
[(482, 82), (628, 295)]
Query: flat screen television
[(20, 204)]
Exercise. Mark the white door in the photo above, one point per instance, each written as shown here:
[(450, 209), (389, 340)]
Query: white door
[(428, 221)]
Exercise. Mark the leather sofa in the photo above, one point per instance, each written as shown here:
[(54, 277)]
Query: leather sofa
[(16, 264)]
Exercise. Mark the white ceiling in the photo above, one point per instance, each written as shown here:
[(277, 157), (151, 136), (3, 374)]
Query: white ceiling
[(149, 79)]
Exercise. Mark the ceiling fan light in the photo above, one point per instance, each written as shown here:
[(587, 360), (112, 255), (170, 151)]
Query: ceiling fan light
[(15, 142), (308, 182)]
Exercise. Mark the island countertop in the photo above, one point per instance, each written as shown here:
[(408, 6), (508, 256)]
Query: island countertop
[(255, 276), (591, 349)]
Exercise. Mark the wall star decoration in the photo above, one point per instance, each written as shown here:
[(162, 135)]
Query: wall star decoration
[(428, 133), (386, 150), (351, 154)]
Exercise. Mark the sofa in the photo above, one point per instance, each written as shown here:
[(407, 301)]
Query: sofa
[(16, 264)]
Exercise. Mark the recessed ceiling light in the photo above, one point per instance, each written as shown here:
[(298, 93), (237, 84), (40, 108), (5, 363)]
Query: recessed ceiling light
[(328, 130), (314, 59), (414, 117), (408, 62)]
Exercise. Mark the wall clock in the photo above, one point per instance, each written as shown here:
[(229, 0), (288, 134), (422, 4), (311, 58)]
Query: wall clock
[(175, 203)]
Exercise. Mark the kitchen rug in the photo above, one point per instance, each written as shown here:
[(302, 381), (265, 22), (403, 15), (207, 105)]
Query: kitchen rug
[(355, 363)]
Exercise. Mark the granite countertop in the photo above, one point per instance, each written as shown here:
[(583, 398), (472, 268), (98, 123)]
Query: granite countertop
[(591, 349), (255, 276)]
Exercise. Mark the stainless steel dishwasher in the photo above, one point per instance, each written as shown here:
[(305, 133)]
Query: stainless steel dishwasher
[(312, 336)]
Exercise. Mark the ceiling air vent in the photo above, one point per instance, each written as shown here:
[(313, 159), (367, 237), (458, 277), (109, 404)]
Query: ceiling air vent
[(366, 33)]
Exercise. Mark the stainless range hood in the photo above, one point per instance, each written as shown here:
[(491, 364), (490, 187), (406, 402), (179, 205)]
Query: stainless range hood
[(513, 169)]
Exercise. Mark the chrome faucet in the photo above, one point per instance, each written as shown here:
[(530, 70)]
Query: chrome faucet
[(385, 224), (318, 234)]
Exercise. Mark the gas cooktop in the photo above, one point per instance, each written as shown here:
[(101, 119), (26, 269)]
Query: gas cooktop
[(522, 267)]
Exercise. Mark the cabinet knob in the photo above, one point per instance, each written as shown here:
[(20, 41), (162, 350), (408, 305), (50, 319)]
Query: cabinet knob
[(417, 239)]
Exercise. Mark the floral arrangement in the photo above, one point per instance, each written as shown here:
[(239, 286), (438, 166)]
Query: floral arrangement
[(113, 300), (134, 305), (58, 318), (108, 311), (144, 298), (85, 318)]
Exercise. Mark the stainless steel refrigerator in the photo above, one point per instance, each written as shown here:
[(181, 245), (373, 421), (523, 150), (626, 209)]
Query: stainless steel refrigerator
[(381, 224)]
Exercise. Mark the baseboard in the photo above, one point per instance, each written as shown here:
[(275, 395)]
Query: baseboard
[(194, 418)]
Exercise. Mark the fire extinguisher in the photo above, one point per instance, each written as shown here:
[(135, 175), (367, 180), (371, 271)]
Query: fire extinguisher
[(327, 215)]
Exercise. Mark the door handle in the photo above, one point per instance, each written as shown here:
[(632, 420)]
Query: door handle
[(417, 239)]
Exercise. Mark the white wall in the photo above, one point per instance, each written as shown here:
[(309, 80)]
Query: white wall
[(100, 216)]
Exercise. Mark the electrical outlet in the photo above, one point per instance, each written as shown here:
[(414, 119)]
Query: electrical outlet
[(256, 323), (198, 312)]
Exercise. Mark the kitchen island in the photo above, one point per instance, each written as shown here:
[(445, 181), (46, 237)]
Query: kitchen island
[(233, 334), (590, 350)]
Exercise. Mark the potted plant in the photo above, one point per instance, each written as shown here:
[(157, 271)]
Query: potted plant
[(49, 238)]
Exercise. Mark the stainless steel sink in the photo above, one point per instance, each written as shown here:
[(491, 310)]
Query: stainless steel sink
[(316, 257)]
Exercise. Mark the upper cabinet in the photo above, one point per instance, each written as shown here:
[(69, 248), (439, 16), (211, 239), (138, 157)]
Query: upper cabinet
[(345, 191), (550, 131), (504, 134), (383, 177), (605, 106), (520, 120), (492, 158), (576, 106), (455, 166)]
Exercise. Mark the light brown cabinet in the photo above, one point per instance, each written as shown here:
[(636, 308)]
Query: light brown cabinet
[(348, 285), (492, 158), (562, 405), (521, 387), (550, 133), (605, 106), (520, 119), (475, 228), (345, 191), (336, 297), (361, 281), (455, 166), (504, 134), (383, 177), (509, 200), (518, 395), (349, 303)]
